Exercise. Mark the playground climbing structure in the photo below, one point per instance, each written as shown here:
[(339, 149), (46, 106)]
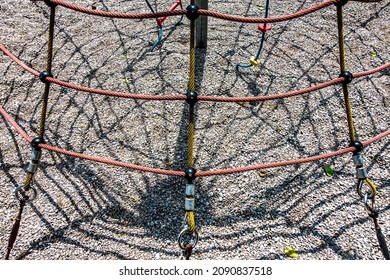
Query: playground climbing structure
[(188, 236)]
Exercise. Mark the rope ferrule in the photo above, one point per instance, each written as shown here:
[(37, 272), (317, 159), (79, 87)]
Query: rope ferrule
[(358, 160), (361, 173), (32, 168)]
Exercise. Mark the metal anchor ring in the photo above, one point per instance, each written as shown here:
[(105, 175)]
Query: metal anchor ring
[(359, 190), (27, 196), (185, 232)]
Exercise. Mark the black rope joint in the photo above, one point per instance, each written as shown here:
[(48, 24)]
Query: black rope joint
[(190, 174), (341, 3), (44, 74), (347, 76), (358, 146), (35, 142), (192, 97), (192, 12), (49, 3)]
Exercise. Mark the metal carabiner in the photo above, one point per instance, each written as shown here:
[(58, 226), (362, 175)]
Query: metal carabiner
[(194, 237), (28, 195), (359, 190)]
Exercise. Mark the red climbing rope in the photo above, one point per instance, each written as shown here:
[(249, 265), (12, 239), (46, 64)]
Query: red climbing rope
[(183, 97), (181, 173), (116, 14), (200, 11)]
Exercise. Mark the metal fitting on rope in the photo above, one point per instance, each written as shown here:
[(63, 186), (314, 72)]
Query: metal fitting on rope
[(370, 193), (341, 3), (361, 173), (192, 97), (36, 155), (192, 12), (44, 74), (185, 238), (22, 195), (32, 168), (358, 147), (358, 160), (190, 174), (347, 76), (253, 61), (189, 204)]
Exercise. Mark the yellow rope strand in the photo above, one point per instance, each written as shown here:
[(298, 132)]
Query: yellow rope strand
[(372, 185), (191, 123), (343, 69), (49, 60)]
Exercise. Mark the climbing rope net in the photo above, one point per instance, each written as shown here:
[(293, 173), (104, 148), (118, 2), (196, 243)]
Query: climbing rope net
[(188, 236)]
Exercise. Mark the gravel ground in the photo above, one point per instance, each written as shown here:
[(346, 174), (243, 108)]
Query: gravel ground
[(87, 210)]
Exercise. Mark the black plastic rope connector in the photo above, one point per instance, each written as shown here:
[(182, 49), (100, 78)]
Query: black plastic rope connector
[(358, 146), (347, 76), (192, 97), (49, 3), (192, 12), (190, 174), (341, 3), (35, 142), (44, 74)]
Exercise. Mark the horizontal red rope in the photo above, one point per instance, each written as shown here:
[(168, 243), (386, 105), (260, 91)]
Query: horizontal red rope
[(200, 11), (183, 97), (269, 19), (198, 173), (116, 14)]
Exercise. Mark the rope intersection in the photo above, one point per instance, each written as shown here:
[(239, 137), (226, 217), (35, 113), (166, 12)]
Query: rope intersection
[(188, 237)]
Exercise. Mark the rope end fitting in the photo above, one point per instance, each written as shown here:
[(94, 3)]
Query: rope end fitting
[(347, 76), (341, 3), (192, 97), (49, 3), (358, 147), (192, 12), (45, 74)]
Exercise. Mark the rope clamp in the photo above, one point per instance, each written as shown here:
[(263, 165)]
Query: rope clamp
[(358, 147), (191, 239), (192, 12), (361, 173), (22, 195), (36, 155), (264, 27), (192, 97), (44, 74), (347, 77), (190, 174)]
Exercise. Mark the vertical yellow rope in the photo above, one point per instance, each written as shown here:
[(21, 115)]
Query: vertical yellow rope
[(343, 69), (191, 121), (49, 60)]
